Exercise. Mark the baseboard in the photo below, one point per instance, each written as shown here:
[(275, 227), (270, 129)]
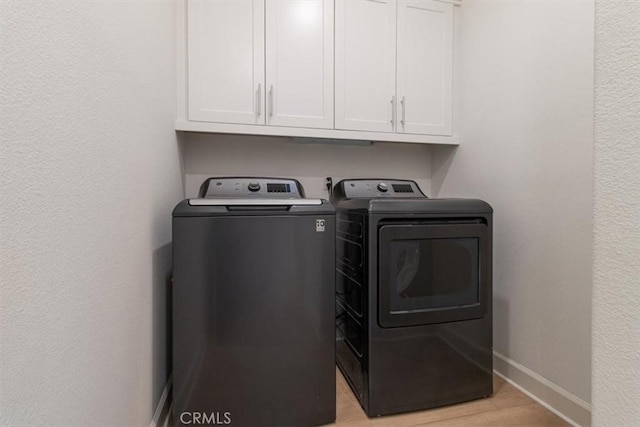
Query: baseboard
[(162, 412), (566, 405), (167, 421)]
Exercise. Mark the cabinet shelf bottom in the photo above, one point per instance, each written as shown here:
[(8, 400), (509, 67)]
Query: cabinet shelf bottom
[(207, 127)]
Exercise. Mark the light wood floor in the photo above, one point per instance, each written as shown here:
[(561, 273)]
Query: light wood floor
[(507, 407)]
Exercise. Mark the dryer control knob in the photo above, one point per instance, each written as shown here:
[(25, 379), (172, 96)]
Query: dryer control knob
[(254, 186), (383, 187)]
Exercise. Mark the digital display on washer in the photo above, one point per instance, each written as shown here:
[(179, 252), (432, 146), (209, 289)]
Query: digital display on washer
[(278, 188), (402, 188)]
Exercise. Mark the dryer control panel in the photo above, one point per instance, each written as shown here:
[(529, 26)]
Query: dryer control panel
[(377, 188), (246, 187)]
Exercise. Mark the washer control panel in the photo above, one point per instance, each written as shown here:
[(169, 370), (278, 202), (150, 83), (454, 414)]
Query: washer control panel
[(264, 188), (374, 188)]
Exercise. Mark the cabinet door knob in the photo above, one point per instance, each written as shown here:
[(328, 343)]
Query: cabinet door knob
[(393, 109), (259, 96), (271, 101)]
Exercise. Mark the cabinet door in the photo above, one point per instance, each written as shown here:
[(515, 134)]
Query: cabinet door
[(225, 50), (425, 67), (365, 64), (299, 63)]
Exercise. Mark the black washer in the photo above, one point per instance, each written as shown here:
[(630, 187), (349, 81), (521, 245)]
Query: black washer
[(253, 305)]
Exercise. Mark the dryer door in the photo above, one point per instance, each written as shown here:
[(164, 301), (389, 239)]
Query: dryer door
[(433, 272)]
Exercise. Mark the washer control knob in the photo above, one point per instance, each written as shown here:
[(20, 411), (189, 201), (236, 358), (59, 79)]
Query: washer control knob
[(254, 186), (383, 187)]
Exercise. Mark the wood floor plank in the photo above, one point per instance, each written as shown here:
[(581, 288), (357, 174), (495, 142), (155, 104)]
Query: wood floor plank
[(531, 415), (507, 396), (420, 417), (507, 407)]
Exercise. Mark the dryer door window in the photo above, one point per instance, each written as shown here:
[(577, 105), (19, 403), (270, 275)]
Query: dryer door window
[(432, 273)]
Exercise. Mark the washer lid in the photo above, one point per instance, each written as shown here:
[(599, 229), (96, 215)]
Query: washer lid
[(252, 207), (254, 202), (251, 196)]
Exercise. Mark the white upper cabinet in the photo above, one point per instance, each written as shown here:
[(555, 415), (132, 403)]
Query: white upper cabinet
[(225, 51), (378, 70), (365, 87), (299, 63), (389, 85), (425, 67)]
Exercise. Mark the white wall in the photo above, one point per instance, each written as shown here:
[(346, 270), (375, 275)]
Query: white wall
[(310, 163), (616, 273), (526, 148), (90, 172)]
